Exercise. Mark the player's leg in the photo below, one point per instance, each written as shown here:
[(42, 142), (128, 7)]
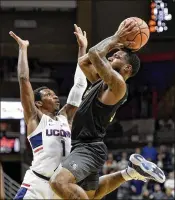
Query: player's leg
[(138, 168), (73, 170), (80, 163), (64, 185), (25, 193), (108, 183), (90, 184)]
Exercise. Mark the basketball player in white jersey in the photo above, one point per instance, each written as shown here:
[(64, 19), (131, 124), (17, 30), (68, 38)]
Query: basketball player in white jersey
[(48, 129)]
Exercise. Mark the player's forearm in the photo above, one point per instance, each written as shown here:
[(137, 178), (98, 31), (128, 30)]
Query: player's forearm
[(105, 46), (81, 51), (80, 84), (108, 183), (23, 69)]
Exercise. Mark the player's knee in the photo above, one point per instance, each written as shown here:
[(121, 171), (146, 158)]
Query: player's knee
[(61, 180)]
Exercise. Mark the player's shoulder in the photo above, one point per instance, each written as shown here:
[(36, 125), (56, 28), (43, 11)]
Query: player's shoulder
[(61, 117)]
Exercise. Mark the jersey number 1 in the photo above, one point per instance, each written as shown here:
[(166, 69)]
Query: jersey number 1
[(64, 149)]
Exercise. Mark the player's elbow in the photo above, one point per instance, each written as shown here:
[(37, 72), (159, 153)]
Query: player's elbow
[(83, 61), (23, 78), (92, 53)]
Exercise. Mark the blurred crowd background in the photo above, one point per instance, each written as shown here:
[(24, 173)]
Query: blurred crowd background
[(145, 124)]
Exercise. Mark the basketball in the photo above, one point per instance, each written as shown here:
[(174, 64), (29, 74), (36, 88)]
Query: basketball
[(141, 37)]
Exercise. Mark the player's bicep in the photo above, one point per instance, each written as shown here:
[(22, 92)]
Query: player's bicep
[(117, 85), (27, 98), (68, 111), (113, 79)]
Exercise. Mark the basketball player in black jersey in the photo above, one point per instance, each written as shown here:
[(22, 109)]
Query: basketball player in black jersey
[(108, 92)]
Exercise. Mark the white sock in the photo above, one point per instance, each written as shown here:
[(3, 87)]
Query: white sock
[(125, 175)]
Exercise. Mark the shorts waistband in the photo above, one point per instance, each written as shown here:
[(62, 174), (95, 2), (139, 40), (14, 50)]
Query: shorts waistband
[(86, 141), (41, 176)]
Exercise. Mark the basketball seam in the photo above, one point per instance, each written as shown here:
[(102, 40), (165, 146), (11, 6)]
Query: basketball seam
[(140, 36), (145, 34), (133, 38), (144, 28)]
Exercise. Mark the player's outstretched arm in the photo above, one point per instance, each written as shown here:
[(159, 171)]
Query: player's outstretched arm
[(26, 91), (75, 95), (97, 56)]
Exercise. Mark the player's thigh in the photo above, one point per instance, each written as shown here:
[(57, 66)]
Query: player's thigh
[(90, 184), (80, 164), (24, 193), (91, 194)]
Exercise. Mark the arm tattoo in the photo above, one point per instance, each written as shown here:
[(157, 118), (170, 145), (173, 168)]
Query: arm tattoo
[(97, 56)]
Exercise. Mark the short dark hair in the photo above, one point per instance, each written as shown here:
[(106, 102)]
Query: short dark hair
[(133, 60), (37, 93)]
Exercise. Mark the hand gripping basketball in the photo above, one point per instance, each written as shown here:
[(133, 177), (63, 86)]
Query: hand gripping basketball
[(138, 38)]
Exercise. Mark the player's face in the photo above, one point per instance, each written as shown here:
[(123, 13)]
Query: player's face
[(118, 60), (50, 100)]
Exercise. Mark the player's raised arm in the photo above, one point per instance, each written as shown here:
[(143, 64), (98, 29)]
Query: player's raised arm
[(97, 55), (26, 91), (88, 69), (75, 95)]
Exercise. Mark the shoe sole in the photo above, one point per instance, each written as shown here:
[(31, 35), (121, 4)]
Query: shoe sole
[(150, 170)]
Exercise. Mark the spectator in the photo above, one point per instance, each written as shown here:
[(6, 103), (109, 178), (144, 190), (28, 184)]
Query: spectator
[(166, 124), (149, 152), (158, 194), (138, 150), (109, 164), (136, 188), (124, 191), (160, 161), (169, 186), (123, 163), (146, 194), (172, 155), (166, 157)]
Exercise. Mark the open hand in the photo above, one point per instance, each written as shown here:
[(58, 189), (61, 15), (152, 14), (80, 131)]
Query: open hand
[(23, 44), (81, 37)]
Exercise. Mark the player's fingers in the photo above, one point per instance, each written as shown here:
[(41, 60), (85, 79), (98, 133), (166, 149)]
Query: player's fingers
[(76, 27), (134, 31), (120, 45), (14, 35), (128, 22), (131, 26), (76, 34), (80, 31), (84, 33), (129, 43)]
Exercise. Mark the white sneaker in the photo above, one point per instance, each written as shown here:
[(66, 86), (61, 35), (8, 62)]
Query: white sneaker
[(141, 169)]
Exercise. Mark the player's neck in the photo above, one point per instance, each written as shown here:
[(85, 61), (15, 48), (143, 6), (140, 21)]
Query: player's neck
[(46, 112), (125, 77)]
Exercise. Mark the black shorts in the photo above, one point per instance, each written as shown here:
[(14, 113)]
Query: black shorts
[(85, 161)]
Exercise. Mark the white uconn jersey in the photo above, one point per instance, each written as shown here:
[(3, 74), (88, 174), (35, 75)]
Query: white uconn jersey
[(51, 143)]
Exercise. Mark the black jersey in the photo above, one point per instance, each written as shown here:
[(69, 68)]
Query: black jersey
[(93, 117)]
